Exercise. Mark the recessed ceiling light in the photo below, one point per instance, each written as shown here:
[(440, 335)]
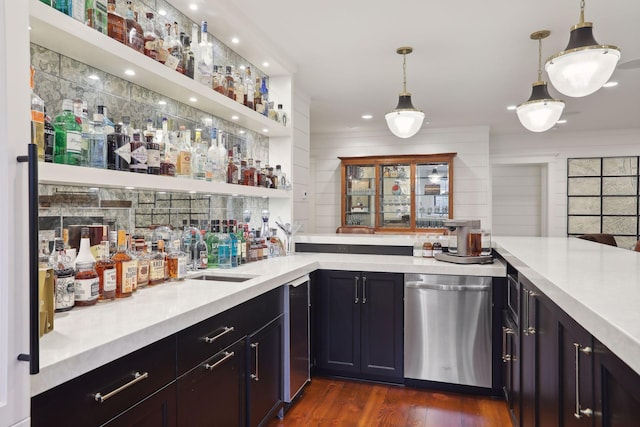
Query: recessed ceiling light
[(29, 27), (234, 117), (265, 130), (610, 84), (93, 77), (162, 102), (242, 67), (130, 72), (367, 116), (192, 192), (265, 64), (265, 197), (162, 12), (193, 99), (193, 6), (235, 40), (511, 107), (162, 192), (234, 195), (93, 188), (129, 188), (241, 132), (562, 121)]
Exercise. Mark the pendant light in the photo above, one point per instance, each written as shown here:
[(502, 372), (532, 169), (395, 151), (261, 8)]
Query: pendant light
[(540, 112), (404, 121), (584, 66)]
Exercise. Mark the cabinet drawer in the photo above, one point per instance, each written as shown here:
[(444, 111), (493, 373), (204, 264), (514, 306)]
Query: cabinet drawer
[(98, 396)]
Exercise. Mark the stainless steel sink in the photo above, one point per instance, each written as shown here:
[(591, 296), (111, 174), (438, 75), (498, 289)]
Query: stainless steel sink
[(214, 277)]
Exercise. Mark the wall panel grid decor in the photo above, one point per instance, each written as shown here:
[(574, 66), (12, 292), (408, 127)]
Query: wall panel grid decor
[(603, 197)]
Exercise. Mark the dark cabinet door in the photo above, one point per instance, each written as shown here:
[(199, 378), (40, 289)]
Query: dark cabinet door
[(617, 390), (381, 337), (547, 375), (212, 394), (576, 374), (528, 357), (338, 326), (265, 372), (511, 365), (157, 410)]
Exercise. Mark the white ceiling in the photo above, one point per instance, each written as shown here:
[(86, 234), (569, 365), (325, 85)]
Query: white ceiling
[(471, 59)]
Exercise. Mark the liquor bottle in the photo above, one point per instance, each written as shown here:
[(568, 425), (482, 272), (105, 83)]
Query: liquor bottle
[(257, 98), (249, 174), (232, 171), (78, 10), (201, 260), (264, 96), (156, 263), (117, 29), (249, 88), (109, 127), (49, 138), (218, 80), (152, 40), (238, 86), (139, 155), (169, 159), (183, 165), (175, 48), (279, 181), (230, 85), (134, 36), (235, 249), (106, 270), (96, 15), (37, 118), (199, 156), (64, 277), (282, 116), (204, 58), (64, 6), (143, 259), (153, 155), (221, 138), (188, 58), (118, 150), (126, 268), (242, 245), (177, 263), (96, 153), (224, 247), (68, 144), (212, 240), (86, 283)]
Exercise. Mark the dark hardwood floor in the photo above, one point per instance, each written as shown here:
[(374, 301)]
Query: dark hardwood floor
[(333, 402)]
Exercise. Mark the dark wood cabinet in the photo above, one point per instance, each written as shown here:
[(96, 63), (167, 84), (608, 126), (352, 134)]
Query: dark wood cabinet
[(265, 372), (213, 392), (511, 365), (359, 318), (157, 410)]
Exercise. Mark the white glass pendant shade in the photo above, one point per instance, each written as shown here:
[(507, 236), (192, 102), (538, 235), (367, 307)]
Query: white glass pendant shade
[(405, 121), (584, 66), (541, 112)]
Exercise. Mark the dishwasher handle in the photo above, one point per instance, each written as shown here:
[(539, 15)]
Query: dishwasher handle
[(440, 287)]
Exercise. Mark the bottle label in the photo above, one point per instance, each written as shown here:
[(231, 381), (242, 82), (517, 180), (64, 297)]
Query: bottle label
[(87, 289), (182, 267), (157, 270), (184, 163), (171, 62), (153, 158), (65, 292), (74, 142), (109, 280), (129, 276), (155, 44), (204, 259), (125, 152), (140, 155), (143, 272)]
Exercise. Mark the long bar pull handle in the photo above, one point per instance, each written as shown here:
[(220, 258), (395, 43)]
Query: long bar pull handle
[(530, 329), (225, 330), (34, 310), (255, 376), (525, 321), (227, 356), (355, 287), (579, 413), (137, 377), (364, 289), (506, 357)]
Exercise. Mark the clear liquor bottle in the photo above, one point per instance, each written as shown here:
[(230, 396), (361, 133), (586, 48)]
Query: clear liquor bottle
[(224, 248), (212, 240), (204, 58), (230, 85), (264, 96), (37, 118), (126, 268), (249, 88), (188, 59), (199, 156), (118, 150), (109, 127), (201, 256), (152, 40), (68, 147), (219, 82), (134, 37), (63, 273), (106, 270), (176, 50), (183, 165), (96, 153), (235, 250), (117, 29), (168, 155)]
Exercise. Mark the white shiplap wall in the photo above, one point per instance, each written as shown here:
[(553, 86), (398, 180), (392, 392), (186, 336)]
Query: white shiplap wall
[(552, 149), (517, 199), (472, 189), (301, 173)]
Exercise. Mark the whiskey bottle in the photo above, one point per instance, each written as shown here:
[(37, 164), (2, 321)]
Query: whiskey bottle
[(143, 259), (238, 87), (175, 48), (87, 284), (118, 150), (152, 40), (115, 23), (188, 59), (168, 156), (68, 146), (249, 88), (230, 82), (139, 155), (126, 268), (156, 263), (153, 155), (199, 156), (134, 36), (183, 166), (232, 171), (177, 263), (64, 277), (257, 98), (106, 270), (37, 118)]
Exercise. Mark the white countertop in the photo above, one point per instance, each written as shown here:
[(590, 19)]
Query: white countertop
[(365, 239), (88, 337), (595, 284)]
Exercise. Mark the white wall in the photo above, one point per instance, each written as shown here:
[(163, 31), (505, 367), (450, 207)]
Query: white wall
[(301, 172), (517, 199), (553, 148), (472, 190)]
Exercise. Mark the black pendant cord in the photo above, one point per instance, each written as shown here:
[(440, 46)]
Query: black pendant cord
[(34, 316)]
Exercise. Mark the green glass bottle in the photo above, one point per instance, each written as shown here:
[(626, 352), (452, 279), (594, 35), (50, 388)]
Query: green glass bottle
[(68, 145), (212, 239)]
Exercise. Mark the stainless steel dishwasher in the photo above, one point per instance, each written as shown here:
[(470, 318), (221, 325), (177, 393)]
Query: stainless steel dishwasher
[(447, 321)]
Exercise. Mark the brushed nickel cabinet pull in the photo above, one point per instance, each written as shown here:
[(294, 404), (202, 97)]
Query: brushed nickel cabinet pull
[(255, 376), (225, 331), (364, 289), (227, 356), (506, 357), (137, 377), (355, 287), (579, 413)]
